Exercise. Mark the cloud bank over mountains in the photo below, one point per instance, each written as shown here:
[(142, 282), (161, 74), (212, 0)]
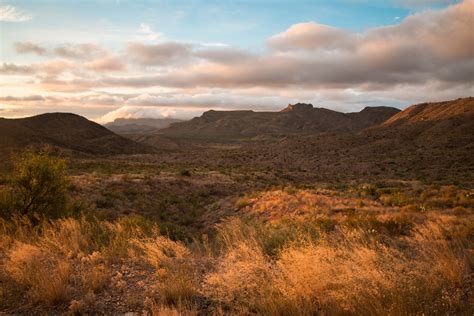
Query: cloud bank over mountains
[(427, 56)]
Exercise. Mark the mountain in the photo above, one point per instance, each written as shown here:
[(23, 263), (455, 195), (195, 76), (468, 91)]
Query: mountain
[(448, 123), (139, 125), (67, 131), (425, 141), (296, 119)]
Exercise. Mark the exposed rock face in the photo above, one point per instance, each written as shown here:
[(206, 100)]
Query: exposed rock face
[(298, 107)]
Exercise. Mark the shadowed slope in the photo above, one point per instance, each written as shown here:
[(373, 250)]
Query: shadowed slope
[(67, 131), (295, 119), (140, 125)]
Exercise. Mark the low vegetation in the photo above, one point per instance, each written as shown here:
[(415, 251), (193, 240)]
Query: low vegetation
[(394, 248), (84, 265)]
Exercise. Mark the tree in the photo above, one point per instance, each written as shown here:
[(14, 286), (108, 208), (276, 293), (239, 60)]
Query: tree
[(40, 184)]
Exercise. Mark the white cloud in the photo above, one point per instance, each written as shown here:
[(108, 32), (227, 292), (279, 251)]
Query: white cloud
[(150, 112), (148, 32), (10, 13)]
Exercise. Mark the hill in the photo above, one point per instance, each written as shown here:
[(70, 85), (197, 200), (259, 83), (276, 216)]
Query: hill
[(296, 119), (448, 123), (436, 143), (67, 131), (139, 125), (425, 140)]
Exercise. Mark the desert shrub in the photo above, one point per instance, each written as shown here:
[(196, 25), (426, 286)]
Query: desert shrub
[(396, 198), (465, 199), (40, 185), (105, 202), (174, 231), (7, 202), (369, 190), (242, 202), (185, 173)]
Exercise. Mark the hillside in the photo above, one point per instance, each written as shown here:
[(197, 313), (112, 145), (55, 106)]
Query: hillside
[(449, 123), (139, 125), (425, 140), (296, 119), (67, 131), (436, 147)]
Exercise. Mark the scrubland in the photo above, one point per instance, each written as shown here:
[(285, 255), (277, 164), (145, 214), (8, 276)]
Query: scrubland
[(393, 248)]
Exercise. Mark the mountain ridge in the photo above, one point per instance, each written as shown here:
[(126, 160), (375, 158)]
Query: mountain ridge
[(139, 125), (299, 118), (67, 131)]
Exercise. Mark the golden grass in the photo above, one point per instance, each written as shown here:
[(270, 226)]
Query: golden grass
[(346, 272), (269, 268), (45, 277), (174, 267)]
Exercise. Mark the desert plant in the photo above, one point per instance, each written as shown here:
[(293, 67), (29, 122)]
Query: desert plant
[(40, 184), (185, 173), (44, 276)]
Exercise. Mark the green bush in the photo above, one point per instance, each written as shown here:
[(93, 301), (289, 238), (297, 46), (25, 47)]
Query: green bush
[(39, 185)]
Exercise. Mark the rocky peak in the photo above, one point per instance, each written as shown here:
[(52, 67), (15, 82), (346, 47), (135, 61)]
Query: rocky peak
[(298, 107)]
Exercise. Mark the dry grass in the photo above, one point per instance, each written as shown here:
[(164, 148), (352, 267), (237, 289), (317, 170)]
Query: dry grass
[(346, 272), (181, 309), (63, 259), (175, 270), (44, 277), (277, 267)]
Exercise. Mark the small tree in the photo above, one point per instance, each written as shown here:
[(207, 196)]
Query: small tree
[(40, 184)]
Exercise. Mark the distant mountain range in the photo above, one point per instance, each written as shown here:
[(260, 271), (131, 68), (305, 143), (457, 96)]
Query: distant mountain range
[(428, 140), (139, 125), (296, 119), (300, 127), (66, 131)]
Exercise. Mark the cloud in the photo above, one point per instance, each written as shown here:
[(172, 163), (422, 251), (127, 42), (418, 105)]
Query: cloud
[(311, 36), (51, 67), (30, 98), (80, 51), (433, 45), (148, 33), (159, 54), (29, 47), (10, 13), (149, 112), (106, 64), (224, 55), (14, 69)]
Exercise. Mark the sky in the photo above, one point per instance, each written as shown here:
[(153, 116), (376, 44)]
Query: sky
[(107, 59)]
